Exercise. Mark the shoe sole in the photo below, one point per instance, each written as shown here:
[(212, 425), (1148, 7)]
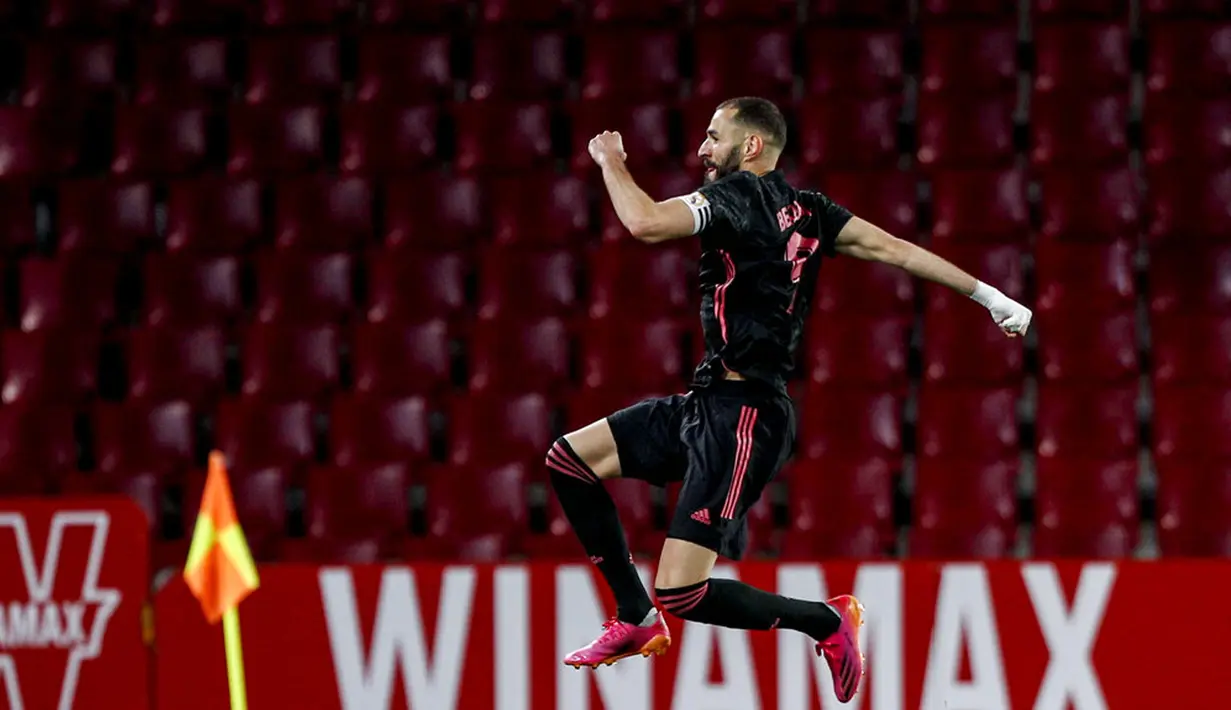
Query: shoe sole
[(656, 646)]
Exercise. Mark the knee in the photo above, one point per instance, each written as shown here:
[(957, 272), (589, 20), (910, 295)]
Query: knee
[(564, 464), (683, 602)]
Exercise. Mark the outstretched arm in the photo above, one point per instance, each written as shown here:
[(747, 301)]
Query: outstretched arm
[(648, 220), (865, 240)]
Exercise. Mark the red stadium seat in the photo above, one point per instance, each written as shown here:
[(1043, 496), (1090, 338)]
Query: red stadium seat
[(103, 217), (850, 421), (980, 205), (851, 286), (1082, 420), (157, 141), (1082, 57), (213, 214), (1098, 206), (1086, 508), (412, 287), (969, 58), (388, 139), (842, 133), (143, 436), (496, 136), (171, 13), (973, 132), (36, 142), (1190, 349), (524, 11), (271, 139), (636, 509), (964, 509), (400, 67), (399, 360), (435, 211), (254, 433), (1192, 422), (523, 283), (519, 66), (488, 429), (645, 129), (847, 61), (1189, 57), (165, 363), (324, 212), (520, 356), (1194, 505), (634, 11), (358, 514), (1188, 206), (369, 429), (641, 354), (77, 292), (1068, 131), (182, 289), (630, 278), (883, 12), (182, 71), (737, 11), (416, 13), (290, 68), (1082, 9), (887, 199), (57, 72), (17, 215), (289, 362), (1084, 277), (1153, 9), (280, 13), (475, 516), (57, 365), (1188, 280), (840, 506), (971, 423), (963, 346), (631, 65), (660, 186), (544, 210), (298, 287), (261, 505), (1085, 346), (957, 9), (1188, 132), (89, 13), (859, 351), (763, 66), (36, 447)]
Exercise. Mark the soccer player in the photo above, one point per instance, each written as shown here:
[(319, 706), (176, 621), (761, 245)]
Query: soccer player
[(762, 244)]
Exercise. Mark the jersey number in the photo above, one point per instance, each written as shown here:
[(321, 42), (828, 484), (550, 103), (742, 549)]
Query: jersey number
[(798, 249)]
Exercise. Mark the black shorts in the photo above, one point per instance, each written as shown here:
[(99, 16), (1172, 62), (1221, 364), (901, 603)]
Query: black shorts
[(725, 442)]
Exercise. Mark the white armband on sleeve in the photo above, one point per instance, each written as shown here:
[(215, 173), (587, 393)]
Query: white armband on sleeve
[(702, 210)]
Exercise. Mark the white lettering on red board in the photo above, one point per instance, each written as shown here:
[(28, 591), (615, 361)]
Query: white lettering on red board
[(965, 615), (693, 689), (1070, 635)]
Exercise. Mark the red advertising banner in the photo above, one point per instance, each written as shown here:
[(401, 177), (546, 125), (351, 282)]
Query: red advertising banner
[(1048, 636), (74, 577)]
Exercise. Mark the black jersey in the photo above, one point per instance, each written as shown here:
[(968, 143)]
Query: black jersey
[(762, 243)]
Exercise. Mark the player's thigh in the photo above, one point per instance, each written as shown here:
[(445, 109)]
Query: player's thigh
[(640, 441), (735, 448)]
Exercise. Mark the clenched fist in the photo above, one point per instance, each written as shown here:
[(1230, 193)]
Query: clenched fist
[(606, 146), (1012, 317)]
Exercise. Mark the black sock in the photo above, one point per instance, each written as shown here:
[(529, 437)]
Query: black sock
[(725, 602), (594, 518)]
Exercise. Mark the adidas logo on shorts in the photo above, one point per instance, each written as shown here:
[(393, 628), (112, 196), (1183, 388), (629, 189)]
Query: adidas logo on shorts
[(702, 516)]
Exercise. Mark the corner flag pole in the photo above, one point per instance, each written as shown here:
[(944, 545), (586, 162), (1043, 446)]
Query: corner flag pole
[(220, 571)]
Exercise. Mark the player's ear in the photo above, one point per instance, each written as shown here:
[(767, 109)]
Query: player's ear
[(754, 145)]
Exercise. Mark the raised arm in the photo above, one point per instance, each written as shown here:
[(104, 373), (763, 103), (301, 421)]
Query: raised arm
[(864, 240), (647, 219)]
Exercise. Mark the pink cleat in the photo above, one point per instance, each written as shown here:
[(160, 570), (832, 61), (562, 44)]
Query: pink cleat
[(621, 640), (841, 650)]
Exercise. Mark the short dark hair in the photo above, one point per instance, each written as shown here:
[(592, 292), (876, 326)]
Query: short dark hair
[(760, 115)]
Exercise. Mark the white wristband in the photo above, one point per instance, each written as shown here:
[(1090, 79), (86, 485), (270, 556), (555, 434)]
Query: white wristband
[(985, 295)]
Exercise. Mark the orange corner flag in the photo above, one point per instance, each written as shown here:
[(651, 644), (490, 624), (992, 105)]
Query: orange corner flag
[(220, 571)]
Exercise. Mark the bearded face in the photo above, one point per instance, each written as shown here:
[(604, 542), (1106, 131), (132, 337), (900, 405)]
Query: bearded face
[(718, 166)]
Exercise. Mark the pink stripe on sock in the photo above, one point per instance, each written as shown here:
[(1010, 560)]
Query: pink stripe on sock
[(572, 462), (743, 452), (563, 463), (685, 601), (554, 466), (685, 606)]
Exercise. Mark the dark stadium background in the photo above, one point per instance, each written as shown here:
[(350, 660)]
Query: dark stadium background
[(358, 246)]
